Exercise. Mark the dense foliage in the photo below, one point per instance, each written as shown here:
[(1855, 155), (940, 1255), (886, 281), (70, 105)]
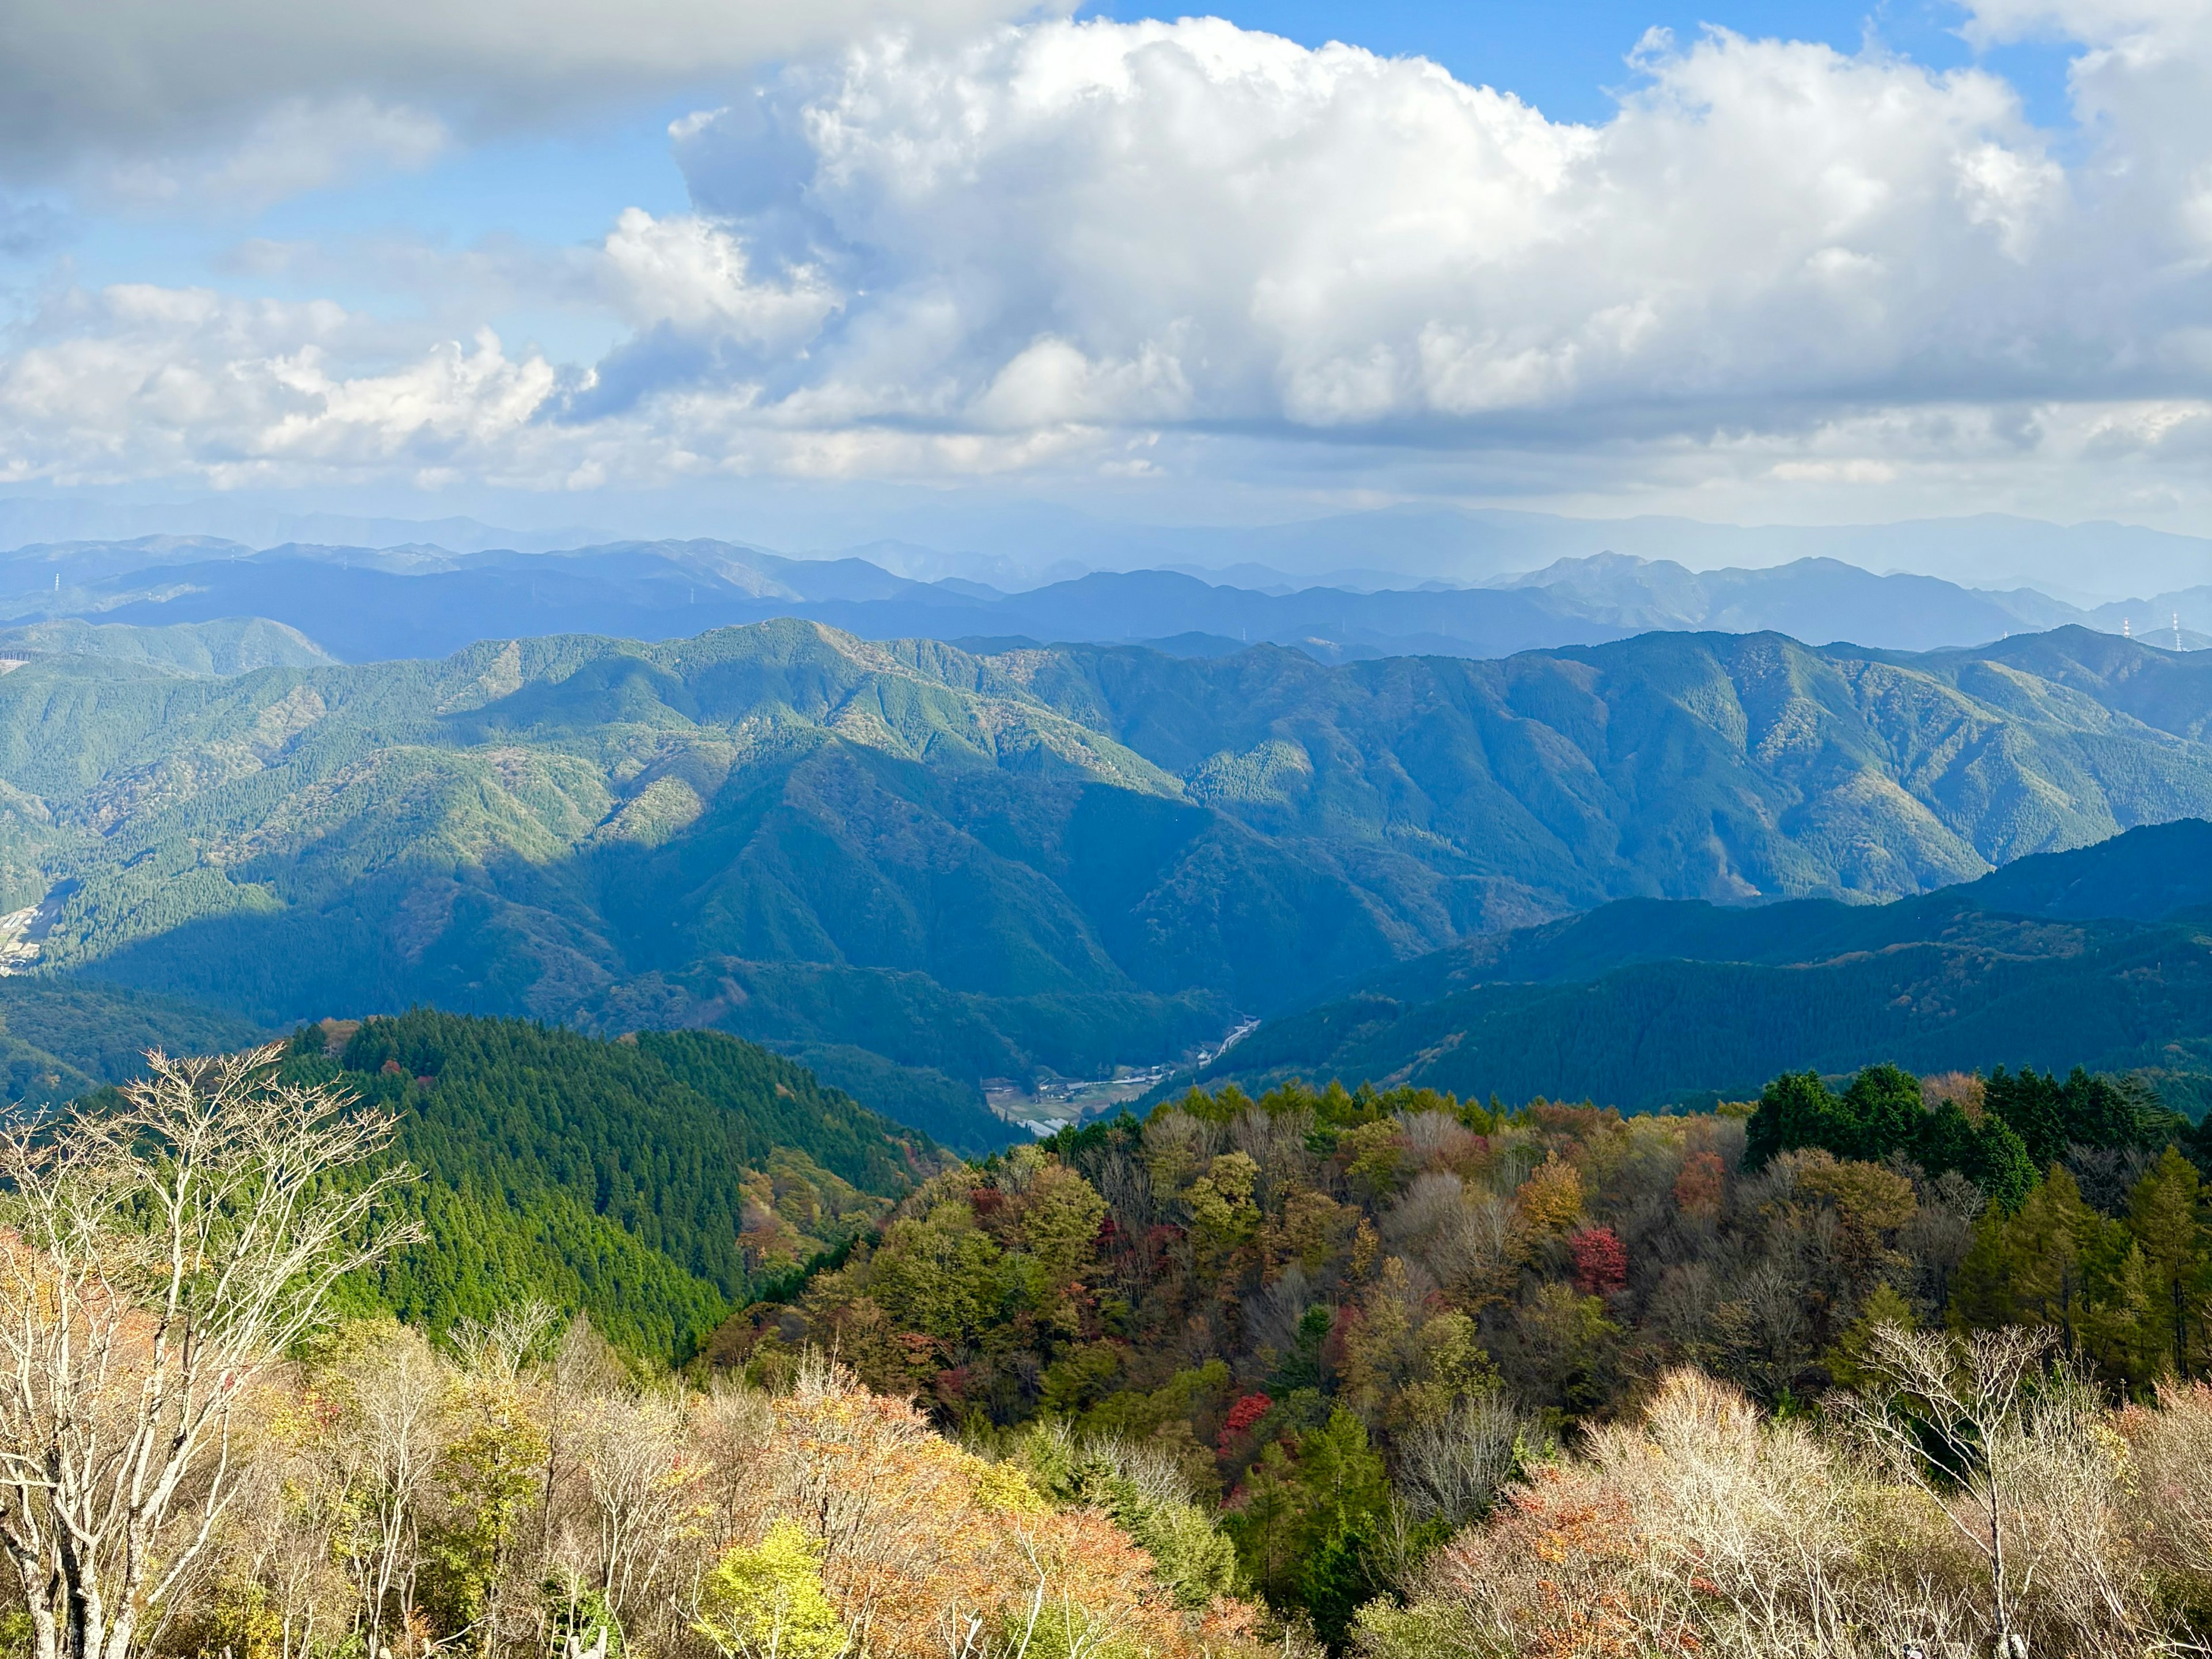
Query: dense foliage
[(1354, 1314), (650, 1182), (1387, 1283), (60, 1038), (2026, 1123)]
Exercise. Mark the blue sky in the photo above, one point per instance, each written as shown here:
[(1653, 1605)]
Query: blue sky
[(1568, 59), (659, 260)]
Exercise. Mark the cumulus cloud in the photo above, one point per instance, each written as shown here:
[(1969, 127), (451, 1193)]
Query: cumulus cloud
[(1777, 267), (1191, 222), (139, 380), (693, 275)]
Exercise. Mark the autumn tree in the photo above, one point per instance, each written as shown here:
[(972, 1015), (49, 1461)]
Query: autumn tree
[(161, 1255), (766, 1601)]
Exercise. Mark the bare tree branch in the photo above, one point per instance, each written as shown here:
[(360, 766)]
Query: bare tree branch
[(157, 1259)]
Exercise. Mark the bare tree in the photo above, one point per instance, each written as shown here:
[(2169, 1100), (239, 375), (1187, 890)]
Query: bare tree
[(641, 1487), (1454, 1470), (280, 1530), (1951, 1416), (159, 1256), (392, 1435), (501, 1348)]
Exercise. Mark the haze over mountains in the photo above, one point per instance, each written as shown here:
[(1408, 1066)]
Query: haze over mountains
[(418, 600), (928, 535)]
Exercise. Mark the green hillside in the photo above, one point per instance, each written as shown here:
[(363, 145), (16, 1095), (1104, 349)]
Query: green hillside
[(1726, 767), (921, 868), (236, 645), (653, 1182), (60, 1038), (2100, 956)]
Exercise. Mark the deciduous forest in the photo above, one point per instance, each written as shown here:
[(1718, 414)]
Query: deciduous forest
[(1360, 1321), (436, 1335)]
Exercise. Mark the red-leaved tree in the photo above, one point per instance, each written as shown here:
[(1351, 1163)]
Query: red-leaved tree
[(1242, 1416), (1601, 1260)]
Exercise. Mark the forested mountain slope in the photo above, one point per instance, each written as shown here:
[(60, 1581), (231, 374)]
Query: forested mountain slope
[(1355, 1313), (983, 865), (61, 1038), (2100, 956), (236, 645), (652, 1182)]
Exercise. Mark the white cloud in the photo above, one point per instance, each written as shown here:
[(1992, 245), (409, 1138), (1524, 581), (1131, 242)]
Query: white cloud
[(1858, 471), (138, 381), (1779, 267), (141, 381), (696, 276), (1328, 238)]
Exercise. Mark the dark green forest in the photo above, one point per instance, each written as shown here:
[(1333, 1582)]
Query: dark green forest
[(2102, 956), (61, 1037), (650, 1182)]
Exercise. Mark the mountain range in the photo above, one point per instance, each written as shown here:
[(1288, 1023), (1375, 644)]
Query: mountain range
[(927, 534), (2099, 957), (362, 605), (917, 867)]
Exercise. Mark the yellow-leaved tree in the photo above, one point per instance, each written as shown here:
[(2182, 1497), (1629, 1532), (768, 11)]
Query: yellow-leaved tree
[(766, 1601)]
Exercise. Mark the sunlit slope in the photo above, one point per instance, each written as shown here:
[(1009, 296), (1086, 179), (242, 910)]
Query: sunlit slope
[(652, 1182), (979, 866)]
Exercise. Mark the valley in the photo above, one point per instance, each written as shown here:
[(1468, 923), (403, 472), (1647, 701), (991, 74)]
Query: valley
[(1050, 1104), (914, 867), (959, 830)]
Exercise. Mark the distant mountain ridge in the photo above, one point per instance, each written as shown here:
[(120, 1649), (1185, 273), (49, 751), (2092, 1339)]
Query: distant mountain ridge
[(927, 534), (1820, 600), (421, 601)]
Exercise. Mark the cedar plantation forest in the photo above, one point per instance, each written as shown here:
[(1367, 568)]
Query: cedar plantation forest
[(1423, 917)]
